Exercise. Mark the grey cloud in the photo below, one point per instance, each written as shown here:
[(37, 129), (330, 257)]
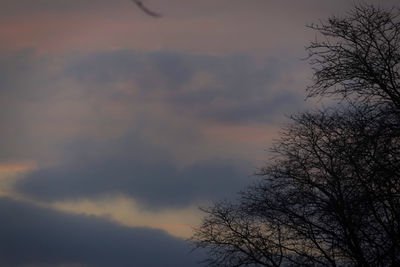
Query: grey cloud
[(152, 71), (269, 109), (13, 66), (243, 91), (18, 69), (129, 166), (34, 235), (239, 81), (25, 80)]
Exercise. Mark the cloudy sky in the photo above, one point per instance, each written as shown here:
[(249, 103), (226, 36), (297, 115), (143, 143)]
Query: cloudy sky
[(116, 126)]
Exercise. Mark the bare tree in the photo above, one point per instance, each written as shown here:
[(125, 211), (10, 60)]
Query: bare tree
[(359, 56), (330, 196)]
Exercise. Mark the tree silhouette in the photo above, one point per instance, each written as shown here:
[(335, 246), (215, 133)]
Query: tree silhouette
[(359, 56), (330, 195)]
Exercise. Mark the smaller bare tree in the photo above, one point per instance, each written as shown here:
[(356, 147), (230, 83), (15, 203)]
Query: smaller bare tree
[(358, 56)]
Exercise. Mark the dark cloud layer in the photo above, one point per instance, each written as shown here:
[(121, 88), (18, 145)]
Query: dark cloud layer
[(33, 235), (141, 171)]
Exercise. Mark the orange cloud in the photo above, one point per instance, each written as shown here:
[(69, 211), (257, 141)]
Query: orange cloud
[(17, 167), (123, 210)]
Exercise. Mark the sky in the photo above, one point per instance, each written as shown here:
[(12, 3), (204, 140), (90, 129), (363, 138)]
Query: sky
[(115, 127)]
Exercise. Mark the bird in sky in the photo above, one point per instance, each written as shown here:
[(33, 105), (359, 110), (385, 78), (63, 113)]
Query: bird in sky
[(145, 9)]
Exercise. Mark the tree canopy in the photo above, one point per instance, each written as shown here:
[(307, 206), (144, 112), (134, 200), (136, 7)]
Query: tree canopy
[(330, 194)]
